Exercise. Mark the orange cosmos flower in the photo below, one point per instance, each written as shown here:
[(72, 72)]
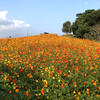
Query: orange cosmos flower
[(85, 75), (87, 92), (75, 61), (10, 79), (64, 74), (62, 82), (84, 82), (10, 91), (65, 67), (68, 75), (75, 85), (42, 90), (65, 61), (29, 95), (16, 86), (79, 93), (26, 87), (5, 77), (45, 85), (16, 90), (95, 83), (30, 76), (87, 89), (14, 81), (61, 85), (16, 73), (59, 71), (87, 68), (66, 84), (97, 95), (42, 93), (26, 92), (92, 81), (21, 70), (1, 72), (91, 68), (99, 88), (50, 72), (59, 61), (56, 86), (96, 66), (76, 69), (72, 66), (74, 82)]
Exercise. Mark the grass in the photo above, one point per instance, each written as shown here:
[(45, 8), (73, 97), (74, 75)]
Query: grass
[(49, 67)]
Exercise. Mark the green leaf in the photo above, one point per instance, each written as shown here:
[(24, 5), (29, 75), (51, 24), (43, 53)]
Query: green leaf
[(59, 94)]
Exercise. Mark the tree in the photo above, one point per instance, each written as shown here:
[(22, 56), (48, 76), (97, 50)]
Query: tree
[(66, 27), (84, 22), (45, 33), (95, 32)]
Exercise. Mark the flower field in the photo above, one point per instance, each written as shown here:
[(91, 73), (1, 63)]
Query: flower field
[(49, 67)]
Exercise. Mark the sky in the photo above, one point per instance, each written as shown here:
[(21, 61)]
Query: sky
[(19, 17)]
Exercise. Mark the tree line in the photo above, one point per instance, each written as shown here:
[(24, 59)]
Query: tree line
[(86, 25)]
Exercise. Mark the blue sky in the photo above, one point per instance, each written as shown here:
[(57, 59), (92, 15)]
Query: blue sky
[(39, 16)]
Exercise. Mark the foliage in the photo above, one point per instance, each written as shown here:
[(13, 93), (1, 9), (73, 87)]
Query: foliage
[(45, 33), (49, 67), (84, 21), (69, 35), (66, 27), (94, 33)]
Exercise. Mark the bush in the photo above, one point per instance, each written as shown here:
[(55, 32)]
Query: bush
[(46, 33)]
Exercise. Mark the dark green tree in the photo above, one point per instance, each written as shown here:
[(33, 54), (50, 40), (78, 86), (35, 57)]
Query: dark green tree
[(94, 33), (45, 33), (66, 27), (84, 21)]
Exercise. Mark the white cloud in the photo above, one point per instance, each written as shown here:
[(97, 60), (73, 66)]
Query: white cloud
[(86, 3), (18, 23), (3, 14), (11, 27), (28, 25)]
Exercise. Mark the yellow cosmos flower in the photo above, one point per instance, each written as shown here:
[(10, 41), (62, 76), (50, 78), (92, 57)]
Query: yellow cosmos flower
[(36, 80), (47, 90), (74, 92), (36, 94), (58, 80), (55, 74), (53, 77), (14, 68), (17, 75), (14, 83), (42, 73), (11, 83), (5, 59), (47, 97), (40, 66)]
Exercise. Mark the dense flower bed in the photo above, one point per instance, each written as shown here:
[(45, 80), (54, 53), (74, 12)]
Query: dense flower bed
[(49, 67)]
